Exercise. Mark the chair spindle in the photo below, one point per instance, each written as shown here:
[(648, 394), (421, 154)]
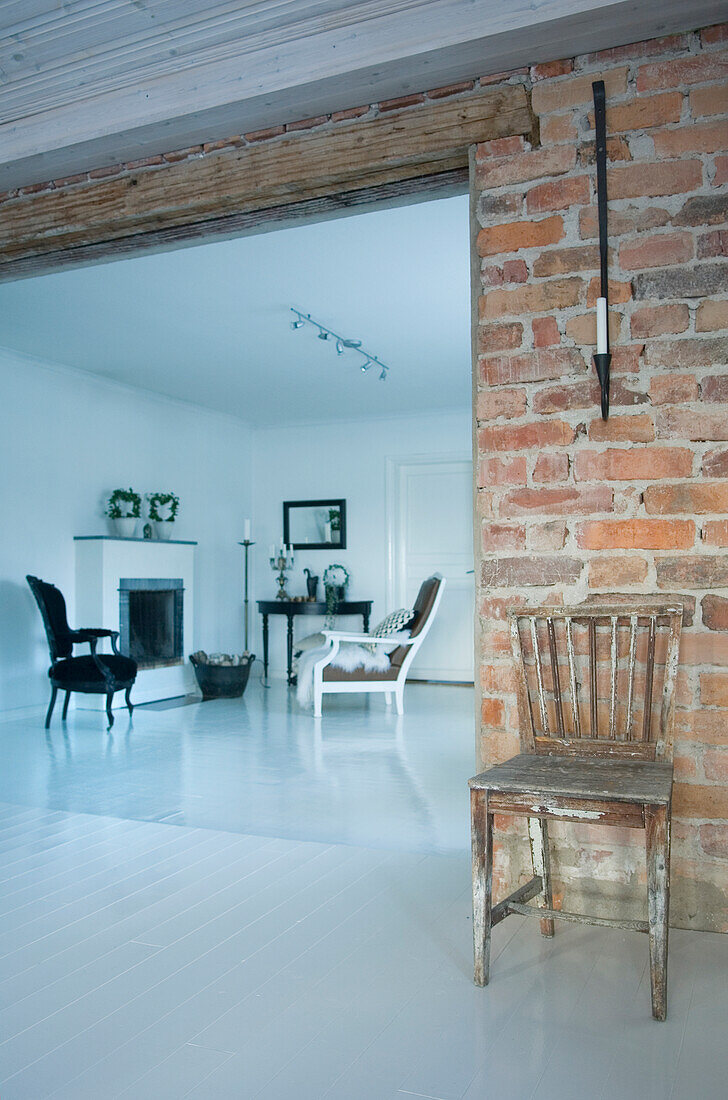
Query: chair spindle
[(572, 677), (555, 674)]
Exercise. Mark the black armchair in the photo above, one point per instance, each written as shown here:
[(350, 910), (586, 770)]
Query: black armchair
[(97, 674)]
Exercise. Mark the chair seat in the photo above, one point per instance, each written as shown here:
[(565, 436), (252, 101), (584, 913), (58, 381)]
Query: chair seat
[(83, 670), (609, 779)]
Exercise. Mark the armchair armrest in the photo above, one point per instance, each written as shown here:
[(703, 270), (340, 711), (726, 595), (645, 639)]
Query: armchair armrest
[(92, 634), (362, 639)]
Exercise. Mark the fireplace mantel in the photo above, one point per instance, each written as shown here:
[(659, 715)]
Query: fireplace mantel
[(101, 563)]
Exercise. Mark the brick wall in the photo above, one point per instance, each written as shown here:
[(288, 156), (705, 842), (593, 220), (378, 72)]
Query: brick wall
[(570, 506)]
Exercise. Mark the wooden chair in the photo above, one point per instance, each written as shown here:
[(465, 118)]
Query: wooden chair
[(97, 674), (328, 680), (596, 698)]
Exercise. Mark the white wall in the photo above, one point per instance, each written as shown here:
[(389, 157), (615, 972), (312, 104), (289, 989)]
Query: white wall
[(66, 440), (341, 459)]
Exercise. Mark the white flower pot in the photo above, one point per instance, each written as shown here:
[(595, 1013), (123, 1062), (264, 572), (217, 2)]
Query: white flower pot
[(164, 529), (125, 528)]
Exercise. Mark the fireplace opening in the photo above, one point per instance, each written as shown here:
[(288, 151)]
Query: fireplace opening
[(150, 615)]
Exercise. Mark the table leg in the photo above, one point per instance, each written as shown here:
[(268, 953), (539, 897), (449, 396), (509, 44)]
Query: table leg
[(265, 647), (365, 618), (290, 649)]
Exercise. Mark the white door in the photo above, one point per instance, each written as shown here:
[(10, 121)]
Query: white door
[(430, 509)]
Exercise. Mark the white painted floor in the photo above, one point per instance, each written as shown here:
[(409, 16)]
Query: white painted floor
[(245, 951)]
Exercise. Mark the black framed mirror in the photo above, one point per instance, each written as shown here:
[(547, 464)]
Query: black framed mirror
[(314, 524)]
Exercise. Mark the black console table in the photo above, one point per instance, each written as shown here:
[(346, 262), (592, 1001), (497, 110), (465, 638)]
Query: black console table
[(291, 608)]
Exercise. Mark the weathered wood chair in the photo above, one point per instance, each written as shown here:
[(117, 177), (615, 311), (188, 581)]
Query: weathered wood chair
[(596, 696)]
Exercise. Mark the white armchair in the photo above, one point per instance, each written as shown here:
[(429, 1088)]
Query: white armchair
[(328, 680)]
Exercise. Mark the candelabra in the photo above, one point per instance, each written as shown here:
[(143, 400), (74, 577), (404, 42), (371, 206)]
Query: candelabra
[(280, 563), (247, 544)]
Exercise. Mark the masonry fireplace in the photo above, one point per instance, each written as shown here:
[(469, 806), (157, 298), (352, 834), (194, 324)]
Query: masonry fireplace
[(151, 620)]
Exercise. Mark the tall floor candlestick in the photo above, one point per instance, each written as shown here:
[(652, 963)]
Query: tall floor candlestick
[(247, 544)]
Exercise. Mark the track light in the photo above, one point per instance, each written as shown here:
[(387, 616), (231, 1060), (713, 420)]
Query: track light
[(340, 343)]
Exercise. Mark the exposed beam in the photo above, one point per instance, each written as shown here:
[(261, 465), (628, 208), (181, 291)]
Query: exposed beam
[(344, 159)]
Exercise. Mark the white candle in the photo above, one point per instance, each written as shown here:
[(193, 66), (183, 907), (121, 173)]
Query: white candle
[(601, 326), (247, 530), (272, 550)]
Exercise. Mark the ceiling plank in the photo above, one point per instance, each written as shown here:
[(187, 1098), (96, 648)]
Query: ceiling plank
[(345, 158)]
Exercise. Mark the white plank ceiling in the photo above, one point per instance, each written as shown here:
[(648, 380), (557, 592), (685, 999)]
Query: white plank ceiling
[(85, 83)]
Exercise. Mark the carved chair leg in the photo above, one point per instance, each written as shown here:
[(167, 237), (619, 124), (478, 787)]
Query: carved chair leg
[(538, 836), (657, 839), (54, 694), (127, 696), (65, 705), (109, 701), (482, 850)]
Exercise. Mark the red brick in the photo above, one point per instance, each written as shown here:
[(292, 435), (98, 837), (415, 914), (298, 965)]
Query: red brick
[(721, 172), (266, 134), (660, 250), (191, 151), (545, 332), (515, 271), (146, 162), (700, 499), (685, 424), (617, 149), (613, 572), (451, 89), (557, 95), (632, 220), (491, 275), (512, 236), (628, 181), (558, 194), (673, 389), (714, 689), (643, 112), (715, 611), (500, 678), (351, 113), (715, 388), (714, 840), (619, 293), (696, 69), (506, 437), (554, 160), (308, 123), (636, 534), (698, 800), (651, 47), (484, 504), (502, 471), (717, 33), (563, 261), (551, 467), (103, 173), (709, 101), (583, 395), (534, 298), (69, 181), (715, 464), (700, 352), (534, 366), (557, 502), (713, 244), (551, 69), (530, 571), (632, 464), (658, 320), (704, 648), (503, 337), (709, 137), (558, 128), (711, 316), (494, 403), (501, 77), (36, 188), (492, 713), (704, 726), (502, 536), (715, 532), (626, 358), (546, 536), (400, 102), (701, 571), (623, 429), (499, 147)]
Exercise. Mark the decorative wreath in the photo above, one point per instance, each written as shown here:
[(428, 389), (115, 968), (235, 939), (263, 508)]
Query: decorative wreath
[(161, 500), (120, 497), (336, 576)]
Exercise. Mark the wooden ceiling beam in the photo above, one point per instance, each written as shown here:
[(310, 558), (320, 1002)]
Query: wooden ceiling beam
[(188, 196)]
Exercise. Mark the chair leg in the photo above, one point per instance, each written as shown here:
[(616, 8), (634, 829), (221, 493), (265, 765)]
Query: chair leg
[(317, 696), (482, 850), (54, 694), (388, 698), (657, 839), (109, 701), (538, 836), (65, 706), (127, 696), (399, 699)]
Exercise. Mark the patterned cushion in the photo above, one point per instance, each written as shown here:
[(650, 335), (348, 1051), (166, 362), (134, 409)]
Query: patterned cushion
[(393, 623)]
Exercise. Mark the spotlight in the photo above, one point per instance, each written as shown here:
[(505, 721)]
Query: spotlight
[(297, 324), (339, 347)]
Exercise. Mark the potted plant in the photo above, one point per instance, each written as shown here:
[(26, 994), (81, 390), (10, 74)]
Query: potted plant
[(163, 508), (124, 508), (334, 525)]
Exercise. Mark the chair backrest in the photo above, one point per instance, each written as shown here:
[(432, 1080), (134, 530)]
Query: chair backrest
[(426, 605), (53, 610), (597, 679)]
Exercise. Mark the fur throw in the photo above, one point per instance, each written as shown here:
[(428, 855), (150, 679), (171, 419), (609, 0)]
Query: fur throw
[(351, 656)]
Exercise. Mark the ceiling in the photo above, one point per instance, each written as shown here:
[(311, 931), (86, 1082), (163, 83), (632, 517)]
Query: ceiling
[(88, 83), (210, 324)]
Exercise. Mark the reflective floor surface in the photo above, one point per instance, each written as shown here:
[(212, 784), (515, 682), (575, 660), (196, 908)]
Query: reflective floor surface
[(261, 764)]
